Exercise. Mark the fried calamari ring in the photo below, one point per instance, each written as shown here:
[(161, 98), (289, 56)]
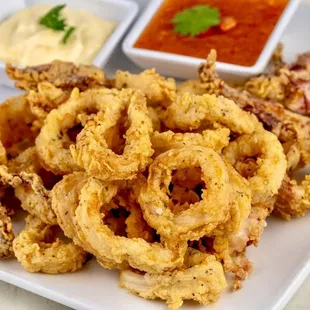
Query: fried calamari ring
[(93, 153), (65, 200), (37, 249), (6, 234), (264, 146), (53, 141), (201, 279), (150, 257), (156, 88), (190, 112), (201, 217), (214, 139)]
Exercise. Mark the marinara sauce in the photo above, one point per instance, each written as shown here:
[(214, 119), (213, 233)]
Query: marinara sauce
[(241, 45)]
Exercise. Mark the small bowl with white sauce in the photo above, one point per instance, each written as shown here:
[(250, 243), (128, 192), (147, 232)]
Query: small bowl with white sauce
[(83, 32)]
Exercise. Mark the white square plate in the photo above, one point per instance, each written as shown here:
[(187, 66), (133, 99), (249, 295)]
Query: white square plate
[(122, 12), (282, 260)]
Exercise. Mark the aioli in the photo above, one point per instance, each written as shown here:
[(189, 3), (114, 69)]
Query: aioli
[(27, 43)]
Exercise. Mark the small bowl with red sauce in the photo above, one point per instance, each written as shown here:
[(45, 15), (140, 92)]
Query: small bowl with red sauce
[(243, 32)]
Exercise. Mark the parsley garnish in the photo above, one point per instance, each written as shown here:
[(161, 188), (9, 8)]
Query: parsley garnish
[(196, 20), (53, 20), (67, 35)]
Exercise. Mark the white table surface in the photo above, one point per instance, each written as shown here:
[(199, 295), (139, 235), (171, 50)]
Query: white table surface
[(14, 298)]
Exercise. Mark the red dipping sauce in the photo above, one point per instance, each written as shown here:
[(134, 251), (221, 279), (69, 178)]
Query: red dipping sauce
[(241, 45)]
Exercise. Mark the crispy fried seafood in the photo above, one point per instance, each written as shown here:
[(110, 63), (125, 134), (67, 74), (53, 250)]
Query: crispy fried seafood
[(214, 139), (61, 74), (37, 249), (200, 218), (201, 279), (158, 90), (16, 131), (92, 151), (31, 184), (168, 184), (53, 142), (153, 257)]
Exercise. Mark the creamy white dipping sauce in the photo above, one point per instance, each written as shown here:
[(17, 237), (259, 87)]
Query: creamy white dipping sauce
[(27, 43)]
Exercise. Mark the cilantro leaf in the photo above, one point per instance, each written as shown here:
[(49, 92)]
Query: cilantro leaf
[(53, 20), (196, 20), (67, 35)]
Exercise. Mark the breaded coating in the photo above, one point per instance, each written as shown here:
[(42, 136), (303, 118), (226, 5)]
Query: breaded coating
[(61, 74), (6, 234), (215, 139), (264, 146), (38, 250), (16, 125), (22, 174), (46, 98), (157, 89), (140, 254), (293, 199), (53, 141), (93, 153), (65, 200), (190, 112)]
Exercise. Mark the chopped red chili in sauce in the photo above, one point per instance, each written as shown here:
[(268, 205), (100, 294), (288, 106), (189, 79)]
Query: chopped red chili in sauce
[(241, 45)]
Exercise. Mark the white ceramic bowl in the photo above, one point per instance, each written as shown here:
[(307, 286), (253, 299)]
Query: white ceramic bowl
[(186, 67), (121, 11)]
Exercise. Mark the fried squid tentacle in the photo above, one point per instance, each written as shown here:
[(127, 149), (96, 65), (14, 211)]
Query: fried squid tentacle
[(293, 198), (292, 130), (201, 279), (22, 174), (61, 74)]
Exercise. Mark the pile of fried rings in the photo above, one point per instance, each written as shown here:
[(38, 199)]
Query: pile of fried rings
[(168, 186)]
